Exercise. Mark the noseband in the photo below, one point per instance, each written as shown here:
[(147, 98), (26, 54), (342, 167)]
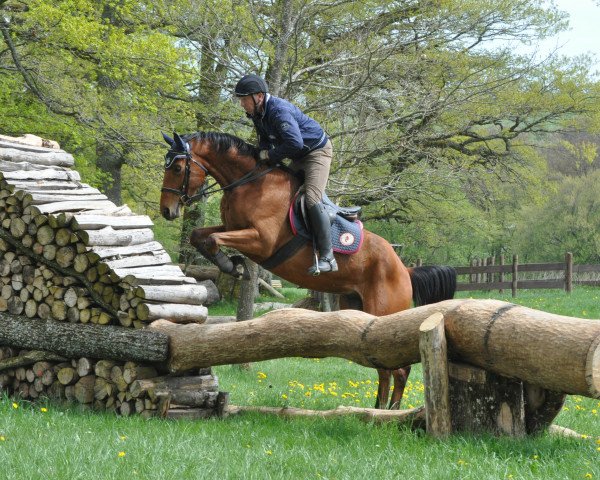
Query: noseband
[(184, 198)]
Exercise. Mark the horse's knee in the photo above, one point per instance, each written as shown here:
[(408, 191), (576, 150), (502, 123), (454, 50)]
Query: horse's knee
[(196, 238)]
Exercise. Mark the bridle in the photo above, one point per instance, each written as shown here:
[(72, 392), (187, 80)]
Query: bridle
[(186, 200)]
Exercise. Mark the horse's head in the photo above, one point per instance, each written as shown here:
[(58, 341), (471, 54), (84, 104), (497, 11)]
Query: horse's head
[(183, 177)]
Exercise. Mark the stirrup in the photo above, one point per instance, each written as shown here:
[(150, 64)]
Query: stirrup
[(323, 265)]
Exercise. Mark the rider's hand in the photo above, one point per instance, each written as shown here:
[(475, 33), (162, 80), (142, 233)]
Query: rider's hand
[(263, 156)]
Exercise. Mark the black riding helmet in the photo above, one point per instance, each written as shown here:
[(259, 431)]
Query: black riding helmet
[(250, 84)]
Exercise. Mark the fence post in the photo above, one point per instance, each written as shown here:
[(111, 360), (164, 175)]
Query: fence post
[(501, 278), (568, 272), (515, 273)]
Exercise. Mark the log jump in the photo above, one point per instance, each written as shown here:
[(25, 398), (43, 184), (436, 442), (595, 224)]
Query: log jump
[(555, 352)]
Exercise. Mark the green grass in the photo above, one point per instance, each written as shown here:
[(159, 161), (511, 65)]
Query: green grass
[(67, 443)]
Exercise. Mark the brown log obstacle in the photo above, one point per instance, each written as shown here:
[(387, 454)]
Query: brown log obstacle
[(520, 362), (553, 351)]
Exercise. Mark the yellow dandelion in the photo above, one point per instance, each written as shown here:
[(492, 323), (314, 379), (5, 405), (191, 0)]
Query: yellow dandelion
[(584, 436), (43, 409), (15, 405), (461, 462), (598, 441), (589, 475), (2, 438), (284, 396), (307, 393), (261, 375), (269, 452), (121, 454), (123, 437), (535, 457)]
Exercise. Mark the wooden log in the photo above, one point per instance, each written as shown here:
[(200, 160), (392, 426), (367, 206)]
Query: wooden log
[(269, 289), (154, 386), (29, 142), (40, 158), (67, 376), (84, 389), (95, 341), (74, 205), (110, 237), (434, 359), (413, 415), (55, 197), (133, 371), (41, 175), (150, 272), (555, 352), (175, 312), (139, 249), (201, 272), (103, 368), (94, 222), (188, 294), (481, 401), (28, 358), (156, 258)]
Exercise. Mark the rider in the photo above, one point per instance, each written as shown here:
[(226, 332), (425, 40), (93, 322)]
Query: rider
[(286, 132)]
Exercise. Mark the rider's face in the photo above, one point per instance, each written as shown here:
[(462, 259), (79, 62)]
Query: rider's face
[(249, 101)]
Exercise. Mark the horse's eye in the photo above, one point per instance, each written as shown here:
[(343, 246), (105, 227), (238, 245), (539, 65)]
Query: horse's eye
[(177, 168)]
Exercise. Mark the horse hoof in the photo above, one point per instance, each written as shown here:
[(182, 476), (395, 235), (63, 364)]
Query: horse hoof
[(240, 271)]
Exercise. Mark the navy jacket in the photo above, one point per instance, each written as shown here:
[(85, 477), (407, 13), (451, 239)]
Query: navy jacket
[(285, 131)]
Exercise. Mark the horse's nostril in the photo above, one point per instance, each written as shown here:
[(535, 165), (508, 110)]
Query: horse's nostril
[(166, 213)]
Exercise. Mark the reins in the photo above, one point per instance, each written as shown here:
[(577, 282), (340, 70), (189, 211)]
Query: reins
[(205, 191)]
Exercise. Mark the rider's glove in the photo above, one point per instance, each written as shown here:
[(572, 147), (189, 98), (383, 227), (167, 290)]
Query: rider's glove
[(263, 156)]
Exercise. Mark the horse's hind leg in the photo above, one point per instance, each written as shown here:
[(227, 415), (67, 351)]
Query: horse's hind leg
[(400, 378), (383, 389)]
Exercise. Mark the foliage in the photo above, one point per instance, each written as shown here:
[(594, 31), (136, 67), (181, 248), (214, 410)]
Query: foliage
[(441, 123)]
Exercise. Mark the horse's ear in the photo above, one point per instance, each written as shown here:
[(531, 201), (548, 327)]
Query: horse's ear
[(180, 145), (168, 139)]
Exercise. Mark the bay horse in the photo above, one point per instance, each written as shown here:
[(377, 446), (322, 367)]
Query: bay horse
[(254, 211)]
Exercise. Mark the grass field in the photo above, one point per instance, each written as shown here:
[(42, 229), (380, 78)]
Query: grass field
[(46, 441)]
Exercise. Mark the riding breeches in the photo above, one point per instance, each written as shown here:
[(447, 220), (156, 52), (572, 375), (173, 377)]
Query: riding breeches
[(316, 167)]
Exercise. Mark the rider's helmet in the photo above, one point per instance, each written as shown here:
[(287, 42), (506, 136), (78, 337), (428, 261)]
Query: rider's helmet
[(250, 84)]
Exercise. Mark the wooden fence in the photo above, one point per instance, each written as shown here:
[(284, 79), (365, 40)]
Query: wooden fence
[(486, 275)]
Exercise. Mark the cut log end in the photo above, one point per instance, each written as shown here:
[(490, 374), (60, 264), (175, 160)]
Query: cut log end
[(593, 368)]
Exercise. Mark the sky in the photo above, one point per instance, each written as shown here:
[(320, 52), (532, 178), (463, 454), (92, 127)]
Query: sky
[(584, 33)]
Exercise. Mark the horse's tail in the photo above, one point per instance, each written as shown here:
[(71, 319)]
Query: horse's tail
[(432, 284)]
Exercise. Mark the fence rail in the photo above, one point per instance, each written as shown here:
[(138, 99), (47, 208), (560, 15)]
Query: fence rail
[(506, 276)]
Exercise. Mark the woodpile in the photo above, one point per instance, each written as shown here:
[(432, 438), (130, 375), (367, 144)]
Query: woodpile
[(68, 254), (125, 388)]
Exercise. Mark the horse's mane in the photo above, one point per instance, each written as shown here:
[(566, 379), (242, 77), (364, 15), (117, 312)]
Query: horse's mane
[(222, 142)]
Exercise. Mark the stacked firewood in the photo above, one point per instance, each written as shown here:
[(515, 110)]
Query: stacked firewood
[(125, 388), (68, 254)]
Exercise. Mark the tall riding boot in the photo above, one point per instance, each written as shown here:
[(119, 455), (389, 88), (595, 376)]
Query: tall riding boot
[(321, 225)]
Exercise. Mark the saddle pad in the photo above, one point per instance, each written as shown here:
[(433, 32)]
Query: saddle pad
[(346, 236)]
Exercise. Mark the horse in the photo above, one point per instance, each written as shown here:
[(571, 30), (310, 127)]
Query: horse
[(254, 212)]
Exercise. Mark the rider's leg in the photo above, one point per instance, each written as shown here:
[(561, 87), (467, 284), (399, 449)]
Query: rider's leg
[(316, 169)]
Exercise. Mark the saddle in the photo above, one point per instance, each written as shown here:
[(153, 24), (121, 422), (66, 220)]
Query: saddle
[(346, 228)]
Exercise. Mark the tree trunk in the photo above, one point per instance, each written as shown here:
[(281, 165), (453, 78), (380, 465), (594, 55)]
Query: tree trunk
[(93, 341)]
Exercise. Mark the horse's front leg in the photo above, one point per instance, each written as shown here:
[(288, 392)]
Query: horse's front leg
[(199, 240), (208, 241)]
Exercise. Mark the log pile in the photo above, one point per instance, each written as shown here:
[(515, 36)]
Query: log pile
[(125, 388), (68, 254)]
